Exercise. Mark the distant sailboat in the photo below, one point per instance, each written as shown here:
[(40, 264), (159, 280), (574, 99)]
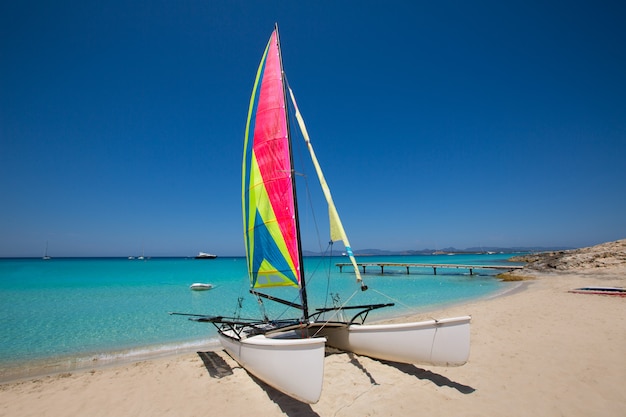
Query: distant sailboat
[(45, 253), (288, 354)]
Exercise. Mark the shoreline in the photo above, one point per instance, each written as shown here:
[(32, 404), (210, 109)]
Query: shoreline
[(406, 315), (73, 364), (41, 368)]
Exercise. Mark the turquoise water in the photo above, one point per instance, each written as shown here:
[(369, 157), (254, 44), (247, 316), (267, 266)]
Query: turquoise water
[(73, 311)]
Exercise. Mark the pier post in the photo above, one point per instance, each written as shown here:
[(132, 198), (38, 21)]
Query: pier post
[(407, 270), (434, 270), (382, 270)]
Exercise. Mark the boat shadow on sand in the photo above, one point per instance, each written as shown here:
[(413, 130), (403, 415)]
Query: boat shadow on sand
[(433, 377), (412, 370), (217, 367), (215, 364)]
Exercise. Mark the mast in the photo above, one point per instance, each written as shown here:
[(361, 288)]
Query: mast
[(303, 295)]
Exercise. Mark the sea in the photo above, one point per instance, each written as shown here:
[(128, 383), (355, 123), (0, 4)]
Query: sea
[(64, 314)]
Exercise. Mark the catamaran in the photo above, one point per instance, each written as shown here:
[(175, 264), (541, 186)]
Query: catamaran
[(288, 354)]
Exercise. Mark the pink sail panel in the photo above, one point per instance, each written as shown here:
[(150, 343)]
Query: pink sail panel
[(269, 209)]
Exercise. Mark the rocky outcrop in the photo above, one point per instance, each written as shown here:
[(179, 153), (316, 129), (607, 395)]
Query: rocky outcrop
[(608, 255)]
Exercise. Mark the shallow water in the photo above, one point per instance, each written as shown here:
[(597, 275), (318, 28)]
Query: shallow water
[(68, 312)]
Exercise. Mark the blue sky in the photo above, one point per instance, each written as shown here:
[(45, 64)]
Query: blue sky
[(438, 124)]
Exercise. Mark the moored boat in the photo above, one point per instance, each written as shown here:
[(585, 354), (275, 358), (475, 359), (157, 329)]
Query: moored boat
[(204, 255), (45, 254), (200, 286)]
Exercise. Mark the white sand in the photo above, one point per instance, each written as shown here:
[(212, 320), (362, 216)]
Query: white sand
[(538, 352)]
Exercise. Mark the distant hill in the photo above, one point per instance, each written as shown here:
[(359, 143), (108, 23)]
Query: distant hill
[(413, 252)]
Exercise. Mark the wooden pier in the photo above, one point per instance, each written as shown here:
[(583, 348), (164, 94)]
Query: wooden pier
[(471, 268)]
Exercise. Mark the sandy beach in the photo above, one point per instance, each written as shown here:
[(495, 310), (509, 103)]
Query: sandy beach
[(537, 351)]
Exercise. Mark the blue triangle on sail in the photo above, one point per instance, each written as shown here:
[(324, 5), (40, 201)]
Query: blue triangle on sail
[(267, 250)]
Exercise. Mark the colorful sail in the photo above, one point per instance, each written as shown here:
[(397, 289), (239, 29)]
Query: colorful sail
[(269, 210)]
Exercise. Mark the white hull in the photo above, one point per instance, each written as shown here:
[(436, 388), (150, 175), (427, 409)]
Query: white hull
[(199, 286), (443, 342), (203, 255), (292, 365)]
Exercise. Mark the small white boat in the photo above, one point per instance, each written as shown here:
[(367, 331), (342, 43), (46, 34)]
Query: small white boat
[(200, 286), (204, 255)]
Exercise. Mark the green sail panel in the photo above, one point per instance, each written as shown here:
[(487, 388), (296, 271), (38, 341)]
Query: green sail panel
[(269, 210)]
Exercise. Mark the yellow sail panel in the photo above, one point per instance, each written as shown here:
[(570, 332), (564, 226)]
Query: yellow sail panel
[(337, 231), (269, 262), (269, 276), (335, 223)]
